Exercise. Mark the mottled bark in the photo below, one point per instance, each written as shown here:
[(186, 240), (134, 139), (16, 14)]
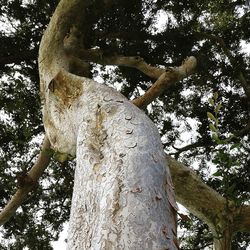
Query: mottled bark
[(123, 197)]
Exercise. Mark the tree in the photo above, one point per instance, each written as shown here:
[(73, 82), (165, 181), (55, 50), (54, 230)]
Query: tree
[(228, 214)]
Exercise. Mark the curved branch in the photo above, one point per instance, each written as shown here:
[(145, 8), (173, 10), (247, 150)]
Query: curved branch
[(242, 220), (197, 144), (166, 80), (195, 195), (28, 183), (205, 203), (98, 56)]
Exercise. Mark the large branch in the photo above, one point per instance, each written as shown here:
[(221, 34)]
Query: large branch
[(167, 79), (27, 183), (195, 195), (205, 203), (242, 220), (98, 56)]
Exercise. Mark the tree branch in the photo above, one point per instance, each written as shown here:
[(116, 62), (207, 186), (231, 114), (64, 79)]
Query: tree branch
[(166, 80), (195, 195), (242, 220), (205, 203), (206, 144), (98, 56), (28, 183), (197, 144)]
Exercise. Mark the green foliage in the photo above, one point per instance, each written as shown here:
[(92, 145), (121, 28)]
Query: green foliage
[(127, 28), (225, 156)]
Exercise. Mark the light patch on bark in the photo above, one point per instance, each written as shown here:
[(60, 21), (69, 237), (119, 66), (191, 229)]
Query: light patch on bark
[(120, 171), (119, 178), (121, 191)]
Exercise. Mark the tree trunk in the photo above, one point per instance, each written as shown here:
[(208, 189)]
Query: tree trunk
[(224, 242), (123, 196)]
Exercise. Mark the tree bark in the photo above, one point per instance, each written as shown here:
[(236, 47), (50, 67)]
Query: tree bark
[(123, 197), (224, 241)]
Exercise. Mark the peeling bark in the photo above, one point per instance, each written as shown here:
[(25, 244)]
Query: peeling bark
[(123, 197)]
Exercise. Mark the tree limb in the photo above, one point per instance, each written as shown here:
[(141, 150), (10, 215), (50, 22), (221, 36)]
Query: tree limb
[(195, 195), (205, 203), (98, 56), (242, 220), (28, 183), (197, 144), (166, 80)]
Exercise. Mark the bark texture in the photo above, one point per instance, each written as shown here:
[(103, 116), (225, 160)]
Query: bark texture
[(123, 197)]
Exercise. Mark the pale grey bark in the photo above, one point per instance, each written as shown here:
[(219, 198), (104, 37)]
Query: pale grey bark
[(122, 188), (123, 197)]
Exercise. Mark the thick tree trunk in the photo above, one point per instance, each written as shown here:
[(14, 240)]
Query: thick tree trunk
[(123, 196), (121, 191), (224, 242)]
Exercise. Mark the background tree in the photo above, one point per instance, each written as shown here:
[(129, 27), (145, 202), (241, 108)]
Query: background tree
[(212, 31)]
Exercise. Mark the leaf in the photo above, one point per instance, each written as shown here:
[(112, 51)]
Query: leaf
[(218, 173), (215, 95), (231, 189), (237, 145), (217, 108), (211, 101), (215, 137), (221, 142), (211, 116), (217, 122), (212, 127)]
